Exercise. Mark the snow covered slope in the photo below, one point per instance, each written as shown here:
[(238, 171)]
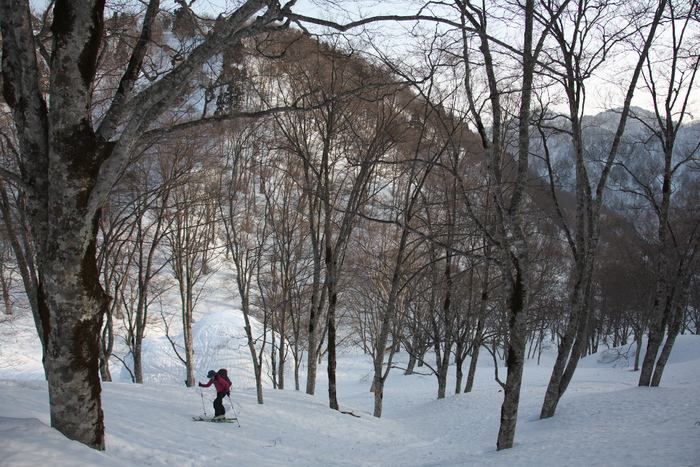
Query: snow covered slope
[(604, 419)]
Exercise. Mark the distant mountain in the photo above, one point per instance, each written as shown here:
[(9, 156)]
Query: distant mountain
[(640, 158)]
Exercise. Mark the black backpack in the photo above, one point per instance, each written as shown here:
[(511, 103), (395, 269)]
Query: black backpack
[(224, 374)]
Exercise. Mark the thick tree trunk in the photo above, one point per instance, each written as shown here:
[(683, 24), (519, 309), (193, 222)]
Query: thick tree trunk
[(72, 303), (60, 167), (73, 376), (517, 343)]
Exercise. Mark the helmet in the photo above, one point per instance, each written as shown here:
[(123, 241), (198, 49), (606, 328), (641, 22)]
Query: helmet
[(211, 374)]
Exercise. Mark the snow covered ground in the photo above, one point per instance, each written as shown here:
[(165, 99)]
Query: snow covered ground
[(603, 419)]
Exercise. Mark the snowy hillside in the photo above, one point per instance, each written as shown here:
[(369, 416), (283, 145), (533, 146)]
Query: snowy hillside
[(604, 418), (219, 341)]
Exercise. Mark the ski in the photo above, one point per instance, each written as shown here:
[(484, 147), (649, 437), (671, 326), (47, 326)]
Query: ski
[(225, 420)]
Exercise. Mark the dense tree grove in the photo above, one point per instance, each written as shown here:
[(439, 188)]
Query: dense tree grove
[(514, 177)]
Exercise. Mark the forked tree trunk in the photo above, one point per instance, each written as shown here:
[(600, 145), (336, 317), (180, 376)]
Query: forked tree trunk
[(680, 296)]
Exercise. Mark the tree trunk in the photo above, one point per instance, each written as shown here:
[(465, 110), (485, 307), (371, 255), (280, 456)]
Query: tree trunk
[(479, 334), (663, 358), (410, 367), (106, 347), (138, 360), (281, 356), (568, 353), (257, 367), (189, 348), (517, 343), (140, 330), (4, 284), (673, 331), (311, 353), (72, 303), (443, 367), (23, 254), (679, 298), (476, 346), (332, 362), (315, 307), (459, 362)]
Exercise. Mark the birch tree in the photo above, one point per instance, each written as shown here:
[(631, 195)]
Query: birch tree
[(508, 192)]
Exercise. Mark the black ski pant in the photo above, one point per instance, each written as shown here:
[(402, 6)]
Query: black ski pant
[(219, 408)]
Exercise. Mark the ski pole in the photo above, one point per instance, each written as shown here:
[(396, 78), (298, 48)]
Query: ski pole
[(233, 408), (201, 393)]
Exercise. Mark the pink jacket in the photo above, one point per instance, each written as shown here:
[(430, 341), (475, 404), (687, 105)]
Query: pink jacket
[(220, 384)]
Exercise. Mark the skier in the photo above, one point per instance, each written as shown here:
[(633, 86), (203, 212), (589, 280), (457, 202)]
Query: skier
[(223, 386)]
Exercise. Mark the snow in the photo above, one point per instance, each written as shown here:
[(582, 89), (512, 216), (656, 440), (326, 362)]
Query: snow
[(603, 419), (219, 341)]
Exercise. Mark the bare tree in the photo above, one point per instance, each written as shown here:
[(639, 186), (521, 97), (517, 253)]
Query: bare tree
[(245, 232), (17, 229), (141, 202), (190, 242), (113, 262), (339, 152), (7, 273), (395, 260), (508, 192), (285, 288)]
